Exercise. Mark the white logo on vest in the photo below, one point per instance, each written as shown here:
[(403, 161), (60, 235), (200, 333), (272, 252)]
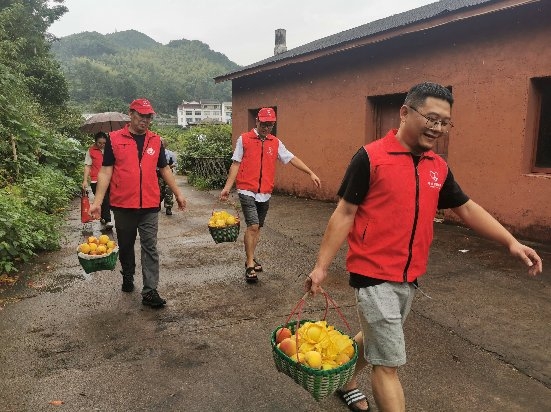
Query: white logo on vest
[(434, 184)]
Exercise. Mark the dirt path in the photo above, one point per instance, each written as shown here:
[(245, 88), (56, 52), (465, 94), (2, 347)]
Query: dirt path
[(480, 343)]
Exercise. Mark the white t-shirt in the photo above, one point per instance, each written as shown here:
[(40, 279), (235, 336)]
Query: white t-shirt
[(283, 155)]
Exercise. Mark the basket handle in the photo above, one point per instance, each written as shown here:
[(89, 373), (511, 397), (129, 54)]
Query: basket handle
[(300, 306), (233, 204), (302, 301)]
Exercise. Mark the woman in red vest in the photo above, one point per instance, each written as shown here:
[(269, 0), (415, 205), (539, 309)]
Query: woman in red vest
[(92, 165)]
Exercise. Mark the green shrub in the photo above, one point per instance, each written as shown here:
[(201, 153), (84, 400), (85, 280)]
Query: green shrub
[(31, 215), (199, 142), (206, 183)]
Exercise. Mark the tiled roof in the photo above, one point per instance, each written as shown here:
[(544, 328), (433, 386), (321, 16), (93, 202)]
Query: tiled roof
[(378, 26)]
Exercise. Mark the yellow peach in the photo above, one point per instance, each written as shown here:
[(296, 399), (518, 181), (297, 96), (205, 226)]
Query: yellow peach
[(288, 346), (103, 239), (283, 333), (313, 359), (84, 248)]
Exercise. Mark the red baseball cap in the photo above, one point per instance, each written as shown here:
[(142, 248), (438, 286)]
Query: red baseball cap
[(142, 106), (266, 114)]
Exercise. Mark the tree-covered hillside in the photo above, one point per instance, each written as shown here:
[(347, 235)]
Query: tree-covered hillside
[(40, 156), (105, 72)]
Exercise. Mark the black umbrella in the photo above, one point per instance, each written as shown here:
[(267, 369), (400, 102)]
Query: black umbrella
[(105, 122)]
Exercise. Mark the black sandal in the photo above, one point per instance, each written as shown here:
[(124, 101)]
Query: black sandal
[(257, 265), (352, 397), (250, 275)]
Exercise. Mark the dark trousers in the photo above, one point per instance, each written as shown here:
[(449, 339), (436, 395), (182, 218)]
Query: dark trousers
[(129, 224), (105, 208)]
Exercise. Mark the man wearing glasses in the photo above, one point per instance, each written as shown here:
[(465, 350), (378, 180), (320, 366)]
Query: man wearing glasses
[(253, 172), (130, 162), (388, 200)]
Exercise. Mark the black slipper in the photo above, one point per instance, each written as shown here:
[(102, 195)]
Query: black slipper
[(351, 397), (250, 275), (257, 265)]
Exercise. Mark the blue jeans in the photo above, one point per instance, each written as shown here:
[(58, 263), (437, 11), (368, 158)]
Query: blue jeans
[(129, 224)]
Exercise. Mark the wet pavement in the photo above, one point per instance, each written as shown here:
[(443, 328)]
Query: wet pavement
[(478, 337)]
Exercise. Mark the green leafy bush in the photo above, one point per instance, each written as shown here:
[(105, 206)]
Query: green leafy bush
[(48, 191), (207, 141), (40, 154), (31, 215)]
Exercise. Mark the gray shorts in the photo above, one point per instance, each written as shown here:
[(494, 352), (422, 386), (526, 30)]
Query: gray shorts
[(382, 310), (253, 211)]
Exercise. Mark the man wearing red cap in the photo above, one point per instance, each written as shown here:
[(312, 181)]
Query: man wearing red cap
[(253, 171), (131, 158)]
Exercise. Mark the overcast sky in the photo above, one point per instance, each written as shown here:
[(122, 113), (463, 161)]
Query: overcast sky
[(243, 30)]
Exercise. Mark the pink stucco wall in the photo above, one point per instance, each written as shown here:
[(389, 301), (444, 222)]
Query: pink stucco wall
[(324, 114)]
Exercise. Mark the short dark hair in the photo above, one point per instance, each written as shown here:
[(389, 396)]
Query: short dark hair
[(418, 94), (99, 135)]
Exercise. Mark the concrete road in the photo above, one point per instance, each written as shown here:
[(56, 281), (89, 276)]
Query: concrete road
[(478, 337)]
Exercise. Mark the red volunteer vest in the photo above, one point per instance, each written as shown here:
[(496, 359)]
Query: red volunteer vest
[(134, 183), (97, 160), (257, 169), (393, 227)]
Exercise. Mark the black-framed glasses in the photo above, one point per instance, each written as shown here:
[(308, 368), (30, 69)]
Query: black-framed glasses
[(269, 125), (433, 121)]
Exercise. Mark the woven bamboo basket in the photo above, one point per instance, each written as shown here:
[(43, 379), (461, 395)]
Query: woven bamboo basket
[(226, 233), (94, 263), (319, 383)]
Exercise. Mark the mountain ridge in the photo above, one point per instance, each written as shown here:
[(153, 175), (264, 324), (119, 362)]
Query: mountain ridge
[(107, 71)]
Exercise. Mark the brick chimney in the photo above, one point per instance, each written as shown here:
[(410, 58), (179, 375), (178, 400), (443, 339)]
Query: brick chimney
[(280, 42)]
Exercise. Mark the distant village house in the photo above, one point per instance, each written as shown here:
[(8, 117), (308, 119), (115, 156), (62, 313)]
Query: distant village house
[(204, 112)]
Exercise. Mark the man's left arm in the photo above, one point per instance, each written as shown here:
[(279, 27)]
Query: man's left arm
[(300, 165), (477, 218)]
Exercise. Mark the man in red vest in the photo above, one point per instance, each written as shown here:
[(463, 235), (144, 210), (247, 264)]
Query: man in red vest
[(130, 162), (389, 197), (253, 171), (92, 164)]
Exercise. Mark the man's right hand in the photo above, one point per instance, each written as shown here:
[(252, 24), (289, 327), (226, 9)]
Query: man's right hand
[(95, 211), (224, 194), (84, 185), (314, 280)]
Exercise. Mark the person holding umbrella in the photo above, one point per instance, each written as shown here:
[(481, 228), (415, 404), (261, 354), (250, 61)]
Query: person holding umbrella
[(92, 164), (131, 158)]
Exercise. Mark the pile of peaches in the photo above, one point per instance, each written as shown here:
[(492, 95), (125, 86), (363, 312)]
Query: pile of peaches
[(99, 246), (316, 345)]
